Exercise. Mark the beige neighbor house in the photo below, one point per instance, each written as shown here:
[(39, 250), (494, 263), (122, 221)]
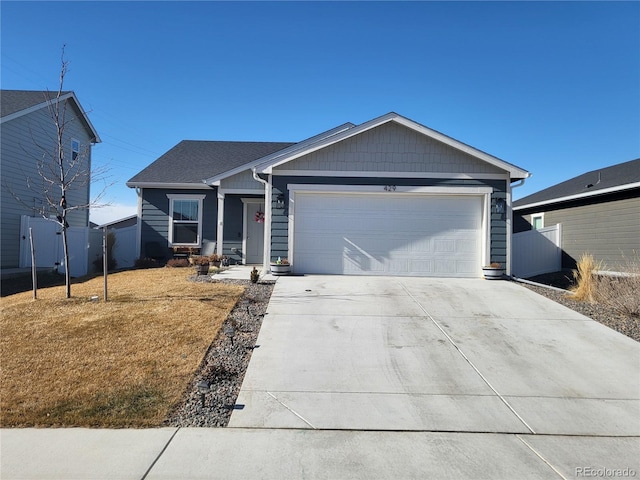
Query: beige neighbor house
[(386, 197), (599, 212), (26, 133)]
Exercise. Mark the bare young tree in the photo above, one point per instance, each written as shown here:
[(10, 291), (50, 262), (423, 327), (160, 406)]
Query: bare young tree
[(61, 171)]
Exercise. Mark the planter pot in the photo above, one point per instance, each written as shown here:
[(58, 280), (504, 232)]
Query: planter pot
[(280, 269), (202, 269), (492, 273)]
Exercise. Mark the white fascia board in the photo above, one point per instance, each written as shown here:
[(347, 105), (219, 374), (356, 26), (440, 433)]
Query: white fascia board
[(113, 222), (369, 174), (269, 158), (183, 186), (578, 196), (240, 191), (514, 172), (380, 189), (96, 137), (325, 142), (45, 104)]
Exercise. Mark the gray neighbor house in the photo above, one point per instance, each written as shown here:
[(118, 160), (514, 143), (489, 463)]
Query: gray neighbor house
[(388, 196), (599, 212), (26, 133)]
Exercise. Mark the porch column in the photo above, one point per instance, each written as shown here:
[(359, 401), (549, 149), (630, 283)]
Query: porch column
[(220, 231)]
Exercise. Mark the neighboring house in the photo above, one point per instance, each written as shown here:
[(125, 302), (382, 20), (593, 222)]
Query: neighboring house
[(125, 231), (26, 133), (599, 212), (389, 196), (130, 221)]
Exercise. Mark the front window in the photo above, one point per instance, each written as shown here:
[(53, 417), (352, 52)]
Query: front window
[(185, 219)]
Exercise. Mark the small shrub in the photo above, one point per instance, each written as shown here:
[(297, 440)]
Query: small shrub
[(255, 275), (586, 285), (178, 263), (98, 263), (146, 263)]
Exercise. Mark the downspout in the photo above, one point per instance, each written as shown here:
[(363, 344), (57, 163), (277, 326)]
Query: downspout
[(510, 187), (266, 249)]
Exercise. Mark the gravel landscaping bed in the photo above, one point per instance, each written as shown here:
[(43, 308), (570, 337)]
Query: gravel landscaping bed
[(625, 324), (226, 360)]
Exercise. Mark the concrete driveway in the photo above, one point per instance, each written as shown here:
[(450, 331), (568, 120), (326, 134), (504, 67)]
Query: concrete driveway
[(447, 355)]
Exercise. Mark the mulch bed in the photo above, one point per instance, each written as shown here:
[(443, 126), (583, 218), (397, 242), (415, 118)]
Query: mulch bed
[(226, 360)]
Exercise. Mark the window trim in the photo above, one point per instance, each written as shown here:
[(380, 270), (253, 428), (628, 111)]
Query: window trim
[(533, 217), (174, 197)]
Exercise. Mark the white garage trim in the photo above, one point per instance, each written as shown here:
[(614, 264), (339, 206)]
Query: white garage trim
[(484, 193)]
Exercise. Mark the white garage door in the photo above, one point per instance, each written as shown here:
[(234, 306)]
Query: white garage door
[(387, 234)]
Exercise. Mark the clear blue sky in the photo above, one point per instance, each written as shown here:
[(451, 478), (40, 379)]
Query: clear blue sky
[(553, 87)]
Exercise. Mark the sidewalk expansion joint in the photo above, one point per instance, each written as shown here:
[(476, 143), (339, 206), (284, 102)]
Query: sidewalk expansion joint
[(159, 455), (292, 410)]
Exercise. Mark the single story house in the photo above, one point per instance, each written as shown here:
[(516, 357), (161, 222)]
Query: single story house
[(599, 212), (386, 197)]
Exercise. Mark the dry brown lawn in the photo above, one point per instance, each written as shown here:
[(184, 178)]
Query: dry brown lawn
[(123, 363)]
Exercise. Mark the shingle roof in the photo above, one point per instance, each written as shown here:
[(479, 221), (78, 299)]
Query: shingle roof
[(13, 101), (587, 184), (192, 161)]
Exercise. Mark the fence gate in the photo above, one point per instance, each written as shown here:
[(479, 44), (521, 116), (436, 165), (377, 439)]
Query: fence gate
[(537, 251), (47, 239)]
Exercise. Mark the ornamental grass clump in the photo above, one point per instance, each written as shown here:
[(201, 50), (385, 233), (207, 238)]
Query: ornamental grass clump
[(586, 284), (621, 290)]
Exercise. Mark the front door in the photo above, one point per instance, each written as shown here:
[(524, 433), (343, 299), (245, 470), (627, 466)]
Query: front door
[(253, 241)]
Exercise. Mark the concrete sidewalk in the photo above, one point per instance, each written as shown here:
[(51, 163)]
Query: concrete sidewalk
[(231, 453), (362, 377)]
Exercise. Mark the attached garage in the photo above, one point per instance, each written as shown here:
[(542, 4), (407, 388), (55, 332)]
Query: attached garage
[(406, 231)]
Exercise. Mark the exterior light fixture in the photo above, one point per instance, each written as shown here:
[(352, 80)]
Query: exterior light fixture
[(280, 201), (501, 205), (229, 331), (203, 388)]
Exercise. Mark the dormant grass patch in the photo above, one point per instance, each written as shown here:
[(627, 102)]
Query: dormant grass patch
[(123, 363)]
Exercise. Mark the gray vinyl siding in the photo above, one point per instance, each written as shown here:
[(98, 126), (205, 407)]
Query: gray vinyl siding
[(243, 180), (155, 215), (610, 231), (391, 148), (280, 219), (23, 142)]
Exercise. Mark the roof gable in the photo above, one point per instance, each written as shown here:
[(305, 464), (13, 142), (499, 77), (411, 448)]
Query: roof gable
[(514, 172), (615, 178), (16, 103)]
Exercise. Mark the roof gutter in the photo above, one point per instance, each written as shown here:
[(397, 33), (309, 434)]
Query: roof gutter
[(577, 196)]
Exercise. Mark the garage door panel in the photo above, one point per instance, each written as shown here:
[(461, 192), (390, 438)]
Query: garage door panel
[(387, 234)]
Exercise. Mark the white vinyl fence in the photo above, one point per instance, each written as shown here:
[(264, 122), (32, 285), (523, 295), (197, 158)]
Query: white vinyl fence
[(124, 251), (85, 246), (537, 251)]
